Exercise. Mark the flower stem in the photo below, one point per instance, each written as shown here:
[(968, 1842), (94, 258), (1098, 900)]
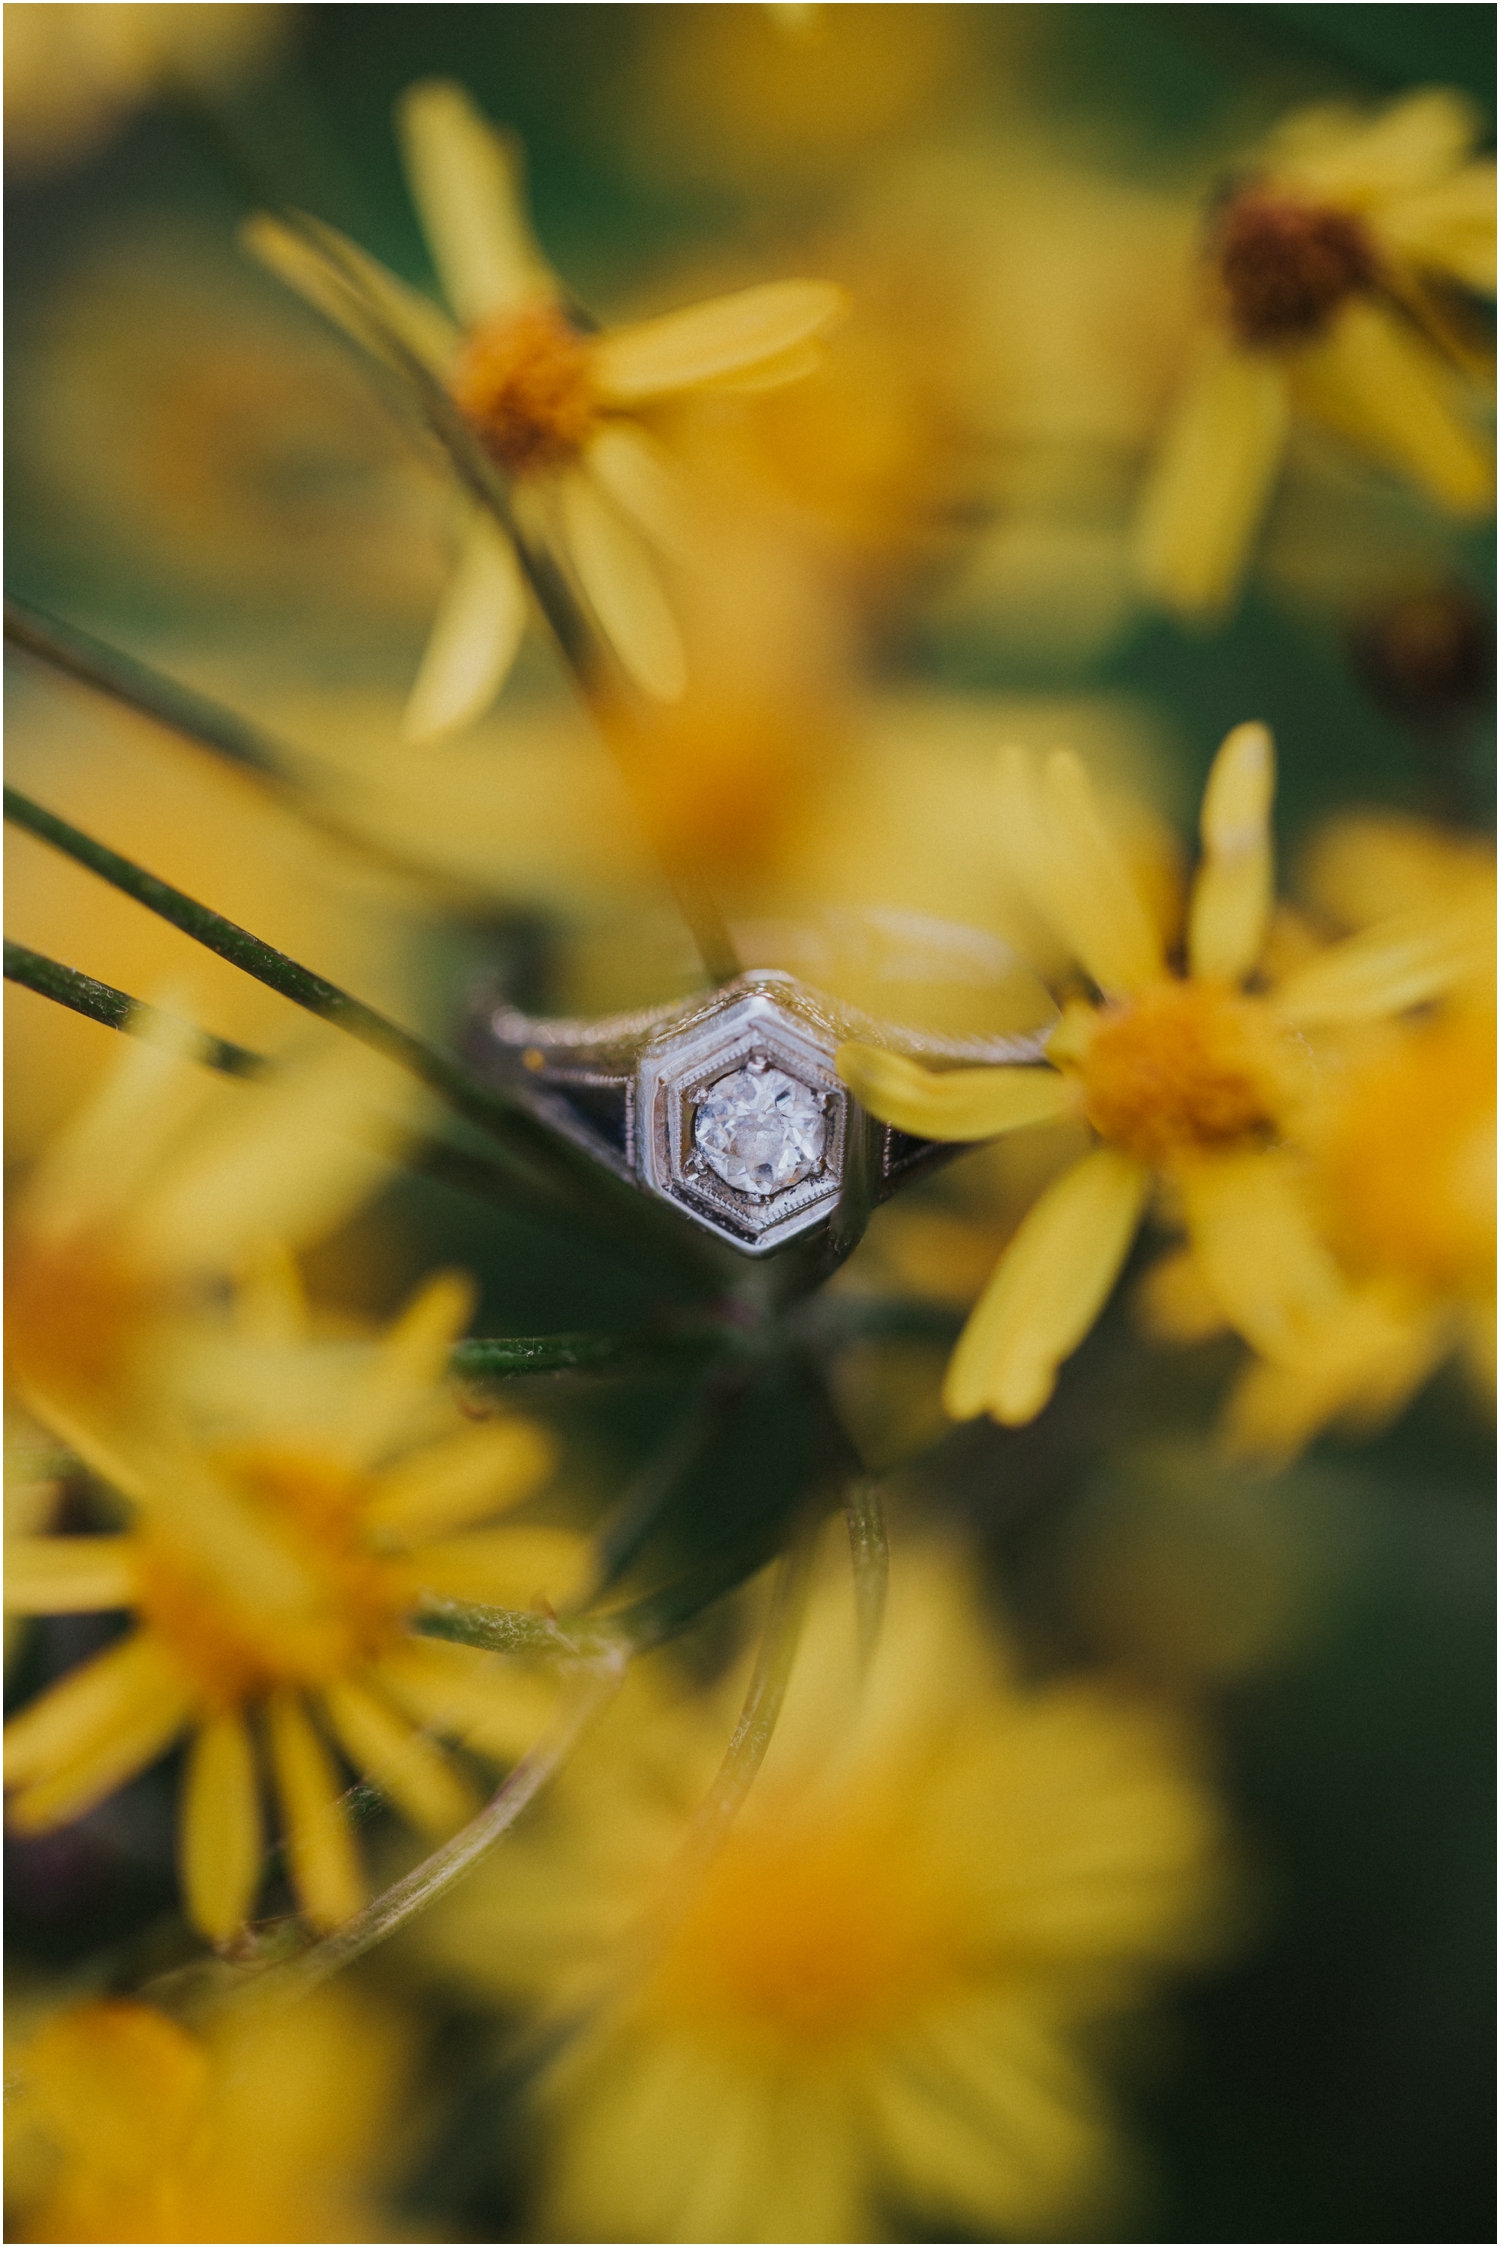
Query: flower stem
[(593, 1685), (101, 1002), (870, 1552), (276, 767), (536, 1159), (588, 657)]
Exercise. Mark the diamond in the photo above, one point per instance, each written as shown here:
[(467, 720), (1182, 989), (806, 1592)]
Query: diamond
[(760, 1129)]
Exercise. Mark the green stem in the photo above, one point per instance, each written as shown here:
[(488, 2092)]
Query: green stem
[(870, 1553), (506, 1356), (101, 1002), (587, 655), (539, 1161), (454, 1167), (274, 766)]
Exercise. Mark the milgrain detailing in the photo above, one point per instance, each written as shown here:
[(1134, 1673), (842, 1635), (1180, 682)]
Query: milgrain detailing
[(727, 1104)]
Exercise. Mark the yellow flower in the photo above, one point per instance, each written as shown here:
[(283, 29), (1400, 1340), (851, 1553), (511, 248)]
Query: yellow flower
[(873, 1993), (1322, 263), (555, 406), (1188, 1077), (159, 1187), (274, 2123), (72, 75), (277, 1554), (1401, 1199), (1395, 1197)]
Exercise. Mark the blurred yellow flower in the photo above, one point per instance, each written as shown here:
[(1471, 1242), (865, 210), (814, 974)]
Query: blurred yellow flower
[(1324, 259), (159, 1187), (1400, 1193), (72, 73), (269, 2124), (1187, 1077), (555, 406), (277, 1555), (872, 1997)]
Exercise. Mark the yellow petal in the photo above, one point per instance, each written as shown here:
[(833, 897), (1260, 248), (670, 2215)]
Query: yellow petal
[(1233, 891), (104, 1156), (1361, 1366), (474, 636), (1175, 1302), (411, 1361), (1449, 229), (319, 1843), (286, 1166), (1206, 493), (465, 179), (1103, 916), (498, 1709), (1047, 1291), (1411, 143), (1377, 383), (621, 585), (504, 1567), (68, 1575), (408, 1770), (1399, 963), (270, 1302), (956, 1103), (728, 335), (350, 288), (1257, 1250), (220, 1843), (94, 1730), (642, 482), (771, 374), (447, 1485)]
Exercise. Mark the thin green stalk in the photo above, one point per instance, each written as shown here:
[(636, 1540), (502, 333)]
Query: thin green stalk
[(687, 1443), (101, 1002), (870, 1553), (274, 766), (78, 655), (586, 654), (538, 1160), (593, 1684), (505, 1357), (454, 1167)]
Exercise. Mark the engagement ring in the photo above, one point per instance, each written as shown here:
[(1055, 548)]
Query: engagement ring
[(726, 1104)]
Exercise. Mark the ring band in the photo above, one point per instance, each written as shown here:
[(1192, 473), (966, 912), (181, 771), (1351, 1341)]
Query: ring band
[(726, 1104)]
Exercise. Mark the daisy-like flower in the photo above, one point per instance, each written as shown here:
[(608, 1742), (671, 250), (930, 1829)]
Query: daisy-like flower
[(274, 2123), (872, 1998), (159, 1187), (555, 406), (1323, 263), (277, 1553), (1188, 1078), (1400, 1198)]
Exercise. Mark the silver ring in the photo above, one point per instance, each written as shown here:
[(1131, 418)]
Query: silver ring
[(727, 1104)]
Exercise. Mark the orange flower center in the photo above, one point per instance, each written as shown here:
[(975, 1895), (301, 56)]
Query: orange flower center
[(76, 1312), (1287, 266), (237, 1652), (1183, 1068), (1407, 1169), (523, 383), (810, 1938)]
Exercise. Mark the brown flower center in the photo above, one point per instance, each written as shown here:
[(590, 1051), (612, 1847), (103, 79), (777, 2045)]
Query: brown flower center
[(1287, 266), (1185, 1068), (523, 383)]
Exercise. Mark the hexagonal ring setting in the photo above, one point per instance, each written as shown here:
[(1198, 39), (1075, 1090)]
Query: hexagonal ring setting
[(728, 1106)]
